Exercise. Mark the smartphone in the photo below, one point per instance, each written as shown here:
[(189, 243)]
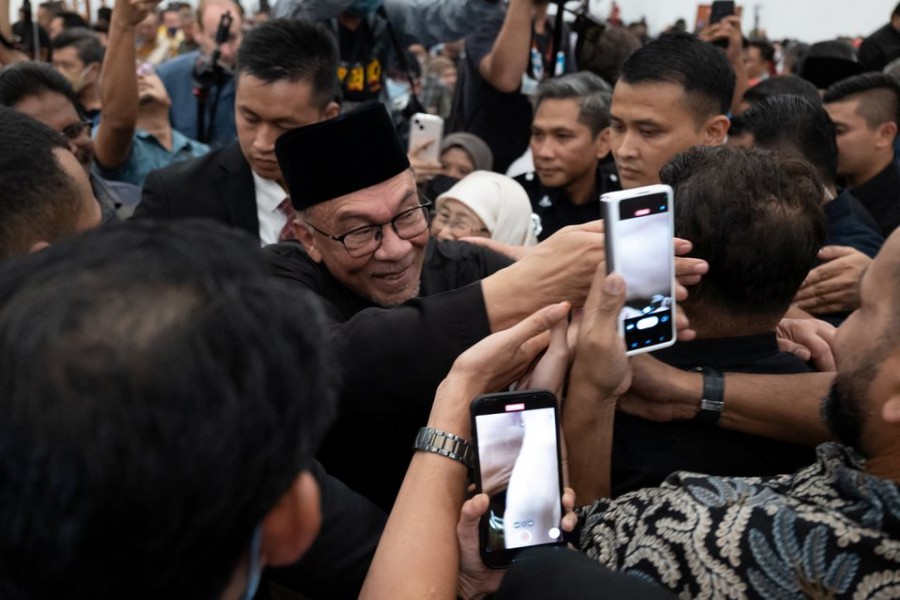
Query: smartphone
[(640, 232), (426, 128), (518, 464), (720, 10)]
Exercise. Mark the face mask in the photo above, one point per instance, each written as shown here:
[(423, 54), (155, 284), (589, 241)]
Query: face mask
[(364, 7), (255, 568), (397, 90)]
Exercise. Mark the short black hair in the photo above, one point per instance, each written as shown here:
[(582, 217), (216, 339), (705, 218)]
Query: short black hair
[(794, 126), (38, 199), (21, 80), (896, 11), (782, 85), (683, 59), (292, 50), (86, 43), (151, 416), (756, 218), (766, 50), (71, 19), (878, 93)]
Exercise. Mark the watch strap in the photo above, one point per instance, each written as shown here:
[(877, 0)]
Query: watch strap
[(446, 444), (713, 401)]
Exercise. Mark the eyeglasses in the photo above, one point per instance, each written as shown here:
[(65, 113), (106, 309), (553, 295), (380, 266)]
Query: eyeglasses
[(459, 226), (75, 130), (365, 240)]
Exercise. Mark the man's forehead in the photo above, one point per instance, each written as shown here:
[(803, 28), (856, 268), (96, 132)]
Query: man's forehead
[(51, 108), (659, 101), (372, 202)]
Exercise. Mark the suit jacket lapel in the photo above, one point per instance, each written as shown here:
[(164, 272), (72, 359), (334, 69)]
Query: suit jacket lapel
[(234, 182)]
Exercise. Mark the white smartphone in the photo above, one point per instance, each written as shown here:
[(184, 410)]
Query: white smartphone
[(426, 128), (640, 233), (518, 464)]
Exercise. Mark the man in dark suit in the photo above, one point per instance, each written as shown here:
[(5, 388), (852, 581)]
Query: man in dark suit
[(286, 78)]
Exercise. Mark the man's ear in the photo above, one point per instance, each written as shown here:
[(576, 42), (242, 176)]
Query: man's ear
[(38, 246), (306, 237), (885, 135), (601, 144), (292, 525), (715, 130), (332, 110), (93, 72)]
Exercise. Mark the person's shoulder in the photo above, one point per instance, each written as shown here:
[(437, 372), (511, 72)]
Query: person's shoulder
[(200, 167), (179, 64)]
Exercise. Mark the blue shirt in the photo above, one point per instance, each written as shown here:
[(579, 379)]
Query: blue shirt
[(148, 154), (177, 76)]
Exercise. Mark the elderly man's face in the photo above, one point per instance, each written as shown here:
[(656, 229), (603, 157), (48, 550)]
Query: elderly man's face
[(390, 275)]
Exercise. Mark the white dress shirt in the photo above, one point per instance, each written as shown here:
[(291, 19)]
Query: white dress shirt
[(269, 195)]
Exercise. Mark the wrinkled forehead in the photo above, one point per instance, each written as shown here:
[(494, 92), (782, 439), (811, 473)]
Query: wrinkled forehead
[(375, 203)]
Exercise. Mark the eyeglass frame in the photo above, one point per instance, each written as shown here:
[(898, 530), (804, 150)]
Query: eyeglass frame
[(82, 126), (424, 206), (449, 223)]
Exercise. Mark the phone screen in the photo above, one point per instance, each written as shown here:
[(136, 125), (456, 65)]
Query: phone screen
[(519, 469), (642, 255)]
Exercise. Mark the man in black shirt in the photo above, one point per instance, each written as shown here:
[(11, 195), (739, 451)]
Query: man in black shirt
[(760, 240), (568, 141), (866, 114), (402, 307)]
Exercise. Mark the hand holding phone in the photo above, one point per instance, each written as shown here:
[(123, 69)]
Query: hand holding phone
[(518, 464), (640, 233), (720, 10)]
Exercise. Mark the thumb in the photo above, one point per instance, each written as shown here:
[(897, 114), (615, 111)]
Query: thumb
[(607, 295), (833, 252), (472, 510)]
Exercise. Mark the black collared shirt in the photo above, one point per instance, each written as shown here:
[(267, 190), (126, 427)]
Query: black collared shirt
[(881, 197), (556, 210), (646, 452)]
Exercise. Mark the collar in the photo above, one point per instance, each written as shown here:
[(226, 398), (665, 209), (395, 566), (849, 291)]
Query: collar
[(179, 140), (720, 352), (269, 193)]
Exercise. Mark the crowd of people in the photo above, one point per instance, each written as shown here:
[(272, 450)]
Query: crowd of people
[(243, 318)]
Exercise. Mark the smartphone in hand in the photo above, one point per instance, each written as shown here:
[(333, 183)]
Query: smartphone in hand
[(425, 128), (640, 247), (518, 465)]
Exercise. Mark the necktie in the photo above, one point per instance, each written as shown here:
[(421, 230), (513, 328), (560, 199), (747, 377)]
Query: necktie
[(287, 209)]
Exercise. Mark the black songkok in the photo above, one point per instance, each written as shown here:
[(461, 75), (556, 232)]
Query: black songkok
[(327, 160)]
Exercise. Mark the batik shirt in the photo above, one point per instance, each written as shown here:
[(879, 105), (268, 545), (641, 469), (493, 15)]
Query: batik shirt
[(828, 531)]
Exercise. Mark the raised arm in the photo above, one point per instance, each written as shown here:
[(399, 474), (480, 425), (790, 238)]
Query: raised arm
[(435, 21), (505, 64), (118, 86), (418, 555), (599, 375)]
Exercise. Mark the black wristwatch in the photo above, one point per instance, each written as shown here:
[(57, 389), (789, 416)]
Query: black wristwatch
[(713, 401)]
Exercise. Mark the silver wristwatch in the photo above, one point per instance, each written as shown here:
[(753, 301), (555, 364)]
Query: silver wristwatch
[(446, 444)]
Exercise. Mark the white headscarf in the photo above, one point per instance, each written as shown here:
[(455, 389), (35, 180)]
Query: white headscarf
[(501, 204)]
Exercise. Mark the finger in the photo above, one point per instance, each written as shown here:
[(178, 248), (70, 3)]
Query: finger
[(833, 252), (550, 371), (513, 252), (689, 280), (681, 292), (419, 147), (683, 327), (682, 246), (685, 267), (570, 519), (538, 323), (591, 226), (568, 498), (801, 352), (467, 527)]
